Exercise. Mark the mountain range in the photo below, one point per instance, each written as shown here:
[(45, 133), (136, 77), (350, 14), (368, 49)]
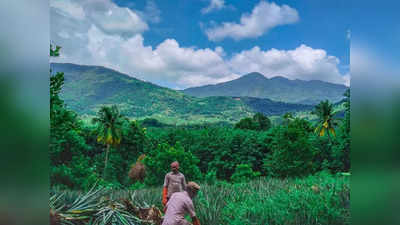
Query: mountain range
[(87, 88), (276, 88)]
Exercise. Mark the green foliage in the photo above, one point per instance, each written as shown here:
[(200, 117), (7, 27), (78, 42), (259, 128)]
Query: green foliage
[(54, 50), (218, 148), (292, 150), (244, 173), (287, 118), (317, 199), (158, 162), (246, 124), (151, 122), (137, 185), (321, 199), (261, 121), (341, 149), (109, 129), (69, 166), (109, 125), (211, 177), (133, 143), (258, 122), (326, 119), (100, 206)]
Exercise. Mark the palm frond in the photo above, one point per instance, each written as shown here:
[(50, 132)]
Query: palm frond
[(322, 132), (332, 131)]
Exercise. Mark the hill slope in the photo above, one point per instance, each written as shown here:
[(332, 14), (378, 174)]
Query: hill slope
[(87, 88), (276, 88)]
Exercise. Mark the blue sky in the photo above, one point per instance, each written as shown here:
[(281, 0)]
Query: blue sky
[(321, 25), (182, 43)]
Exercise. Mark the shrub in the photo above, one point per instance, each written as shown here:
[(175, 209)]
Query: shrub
[(78, 175), (211, 177), (244, 173), (158, 163), (292, 150), (246, 124)]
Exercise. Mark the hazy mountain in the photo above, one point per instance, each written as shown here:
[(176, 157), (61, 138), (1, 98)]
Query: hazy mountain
[(276, 88), (86, 88)]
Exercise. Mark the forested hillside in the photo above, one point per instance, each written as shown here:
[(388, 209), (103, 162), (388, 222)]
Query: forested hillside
[(87, 88)]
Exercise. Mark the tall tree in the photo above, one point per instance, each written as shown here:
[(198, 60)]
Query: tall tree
[(326, 121), (288, 117), (258, 122), (261, 121), (109, 127), (66, 144), (245, 124)]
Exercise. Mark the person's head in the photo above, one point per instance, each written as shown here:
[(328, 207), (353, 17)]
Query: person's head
[(175, 167), (192, 189)]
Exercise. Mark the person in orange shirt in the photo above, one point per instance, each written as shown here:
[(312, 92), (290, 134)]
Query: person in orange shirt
[(174, 182)]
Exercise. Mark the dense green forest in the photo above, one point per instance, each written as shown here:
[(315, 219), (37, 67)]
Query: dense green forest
[(296, 147)]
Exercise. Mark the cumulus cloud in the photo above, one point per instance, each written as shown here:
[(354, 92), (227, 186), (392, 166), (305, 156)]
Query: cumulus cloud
[(89, 42), (113, 19), (169, 62), (303, 63), (78, 15), (213, 6), (68, 8), (263, 17)]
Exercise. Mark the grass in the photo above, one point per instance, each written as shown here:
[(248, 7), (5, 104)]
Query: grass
[(318, 199)]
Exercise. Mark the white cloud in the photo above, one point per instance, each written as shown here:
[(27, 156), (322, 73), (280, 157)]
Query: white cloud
[(168, 62), (213, 6), (264, 17), (64, 34), (68, 8), (303, 63), (113, 19), (79, 15)]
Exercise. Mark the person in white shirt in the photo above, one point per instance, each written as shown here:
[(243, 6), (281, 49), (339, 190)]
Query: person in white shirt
[(180, 204)]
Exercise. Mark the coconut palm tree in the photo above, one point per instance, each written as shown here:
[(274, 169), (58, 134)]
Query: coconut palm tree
[(109, 127), (326, 121)]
